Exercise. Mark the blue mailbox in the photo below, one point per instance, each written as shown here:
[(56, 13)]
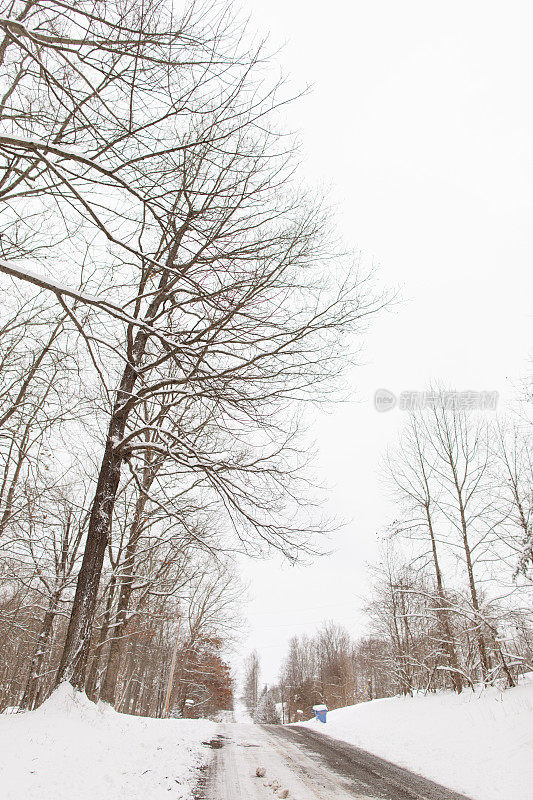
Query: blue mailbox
[(320, 712)]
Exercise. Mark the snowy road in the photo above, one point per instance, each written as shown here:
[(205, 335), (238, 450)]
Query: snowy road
[(303, 765)]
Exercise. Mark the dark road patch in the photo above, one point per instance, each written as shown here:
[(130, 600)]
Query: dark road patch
[(215, 743), (368, 774)]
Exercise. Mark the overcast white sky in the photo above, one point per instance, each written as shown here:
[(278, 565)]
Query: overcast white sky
[(421, 122)]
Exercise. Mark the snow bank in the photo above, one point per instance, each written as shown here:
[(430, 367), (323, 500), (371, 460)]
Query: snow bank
[(478, 743), (69, 749)]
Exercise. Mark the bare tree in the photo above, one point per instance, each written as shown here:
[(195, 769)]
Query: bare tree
[(54, 558), (334, 655), (209, 627), (38, 389), (464, 494), (514, 477), (461, 465), (252, 671), (299, 679), (204, 275), (412, 476)]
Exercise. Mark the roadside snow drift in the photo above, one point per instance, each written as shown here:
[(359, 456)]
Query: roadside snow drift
[(478, 743), (70, 749)]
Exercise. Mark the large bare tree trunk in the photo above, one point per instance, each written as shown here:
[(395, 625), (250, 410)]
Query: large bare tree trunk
[(76, 651), (120, 623)]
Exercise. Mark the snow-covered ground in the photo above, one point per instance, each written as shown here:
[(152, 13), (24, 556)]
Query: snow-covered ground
[(478, 743), (69, 749)]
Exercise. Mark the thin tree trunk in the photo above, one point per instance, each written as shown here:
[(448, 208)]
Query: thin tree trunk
[(129, 673), (442, 612), (475, 602), (469, 568), (91, 687), (29, 697), (8, 507)]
